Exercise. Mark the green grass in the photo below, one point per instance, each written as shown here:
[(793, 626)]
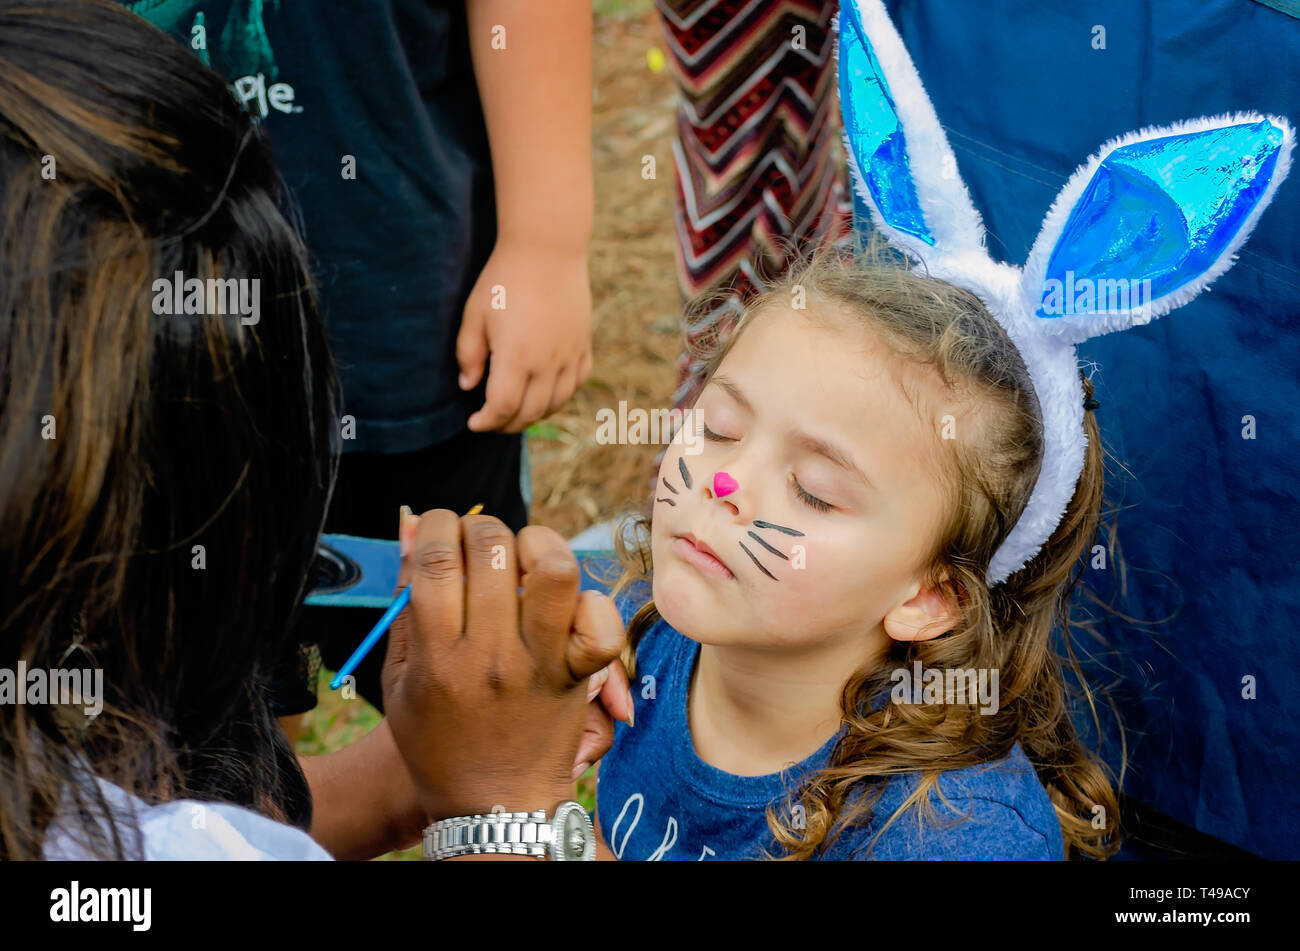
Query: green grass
[(622, 8), (336, 723)]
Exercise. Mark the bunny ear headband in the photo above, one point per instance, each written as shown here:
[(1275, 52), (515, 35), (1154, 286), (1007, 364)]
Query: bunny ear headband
[(1140, 229)]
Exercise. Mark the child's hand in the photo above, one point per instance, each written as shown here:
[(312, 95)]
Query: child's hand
[(608, 699), (531, 310)]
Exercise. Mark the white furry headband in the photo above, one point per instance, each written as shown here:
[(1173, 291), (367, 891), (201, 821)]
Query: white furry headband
[(1141, 228)]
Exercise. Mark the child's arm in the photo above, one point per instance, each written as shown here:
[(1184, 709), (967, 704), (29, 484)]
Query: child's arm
[(531, 306)]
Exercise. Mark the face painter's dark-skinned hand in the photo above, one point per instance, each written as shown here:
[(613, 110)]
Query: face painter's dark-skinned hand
[(486, 690)]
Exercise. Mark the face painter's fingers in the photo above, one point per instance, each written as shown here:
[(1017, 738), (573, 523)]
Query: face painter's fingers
[(477, 717), (597, 638), (551, 579), (492, 586), (434, 570), (408, 523)]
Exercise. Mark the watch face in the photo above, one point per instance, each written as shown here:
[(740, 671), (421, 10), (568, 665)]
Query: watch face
[(575, 839)]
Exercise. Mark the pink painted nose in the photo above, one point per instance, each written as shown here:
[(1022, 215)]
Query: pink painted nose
[(724, 484)]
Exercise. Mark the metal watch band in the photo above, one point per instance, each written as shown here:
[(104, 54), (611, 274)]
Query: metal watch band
[(511, 833)]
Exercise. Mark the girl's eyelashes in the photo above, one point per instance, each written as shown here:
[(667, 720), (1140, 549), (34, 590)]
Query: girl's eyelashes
[(810, 500)]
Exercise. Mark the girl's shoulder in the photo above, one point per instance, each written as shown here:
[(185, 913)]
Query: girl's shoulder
[(993, 811)]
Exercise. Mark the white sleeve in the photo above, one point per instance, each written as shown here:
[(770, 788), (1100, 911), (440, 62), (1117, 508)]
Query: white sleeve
[(211, 831), (190, 830)]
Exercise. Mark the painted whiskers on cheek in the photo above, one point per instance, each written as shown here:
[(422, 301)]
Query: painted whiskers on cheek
[(686, 478), (754, 535)]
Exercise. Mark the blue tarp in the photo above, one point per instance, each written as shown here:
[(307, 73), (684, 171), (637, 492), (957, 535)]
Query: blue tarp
[(1209, 519), (377, 561)]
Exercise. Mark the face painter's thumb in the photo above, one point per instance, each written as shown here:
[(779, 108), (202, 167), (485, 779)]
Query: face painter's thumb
[(408, 523)]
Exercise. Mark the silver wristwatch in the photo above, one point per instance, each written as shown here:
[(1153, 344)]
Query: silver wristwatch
[(568, 837)]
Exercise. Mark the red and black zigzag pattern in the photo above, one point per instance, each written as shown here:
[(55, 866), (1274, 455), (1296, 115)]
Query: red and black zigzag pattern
[(758, 176)]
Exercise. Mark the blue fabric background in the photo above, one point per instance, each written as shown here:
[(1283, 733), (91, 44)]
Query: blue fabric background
[(1208, 520)]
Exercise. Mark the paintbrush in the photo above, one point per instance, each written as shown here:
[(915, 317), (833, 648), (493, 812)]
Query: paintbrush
[(381, 627)]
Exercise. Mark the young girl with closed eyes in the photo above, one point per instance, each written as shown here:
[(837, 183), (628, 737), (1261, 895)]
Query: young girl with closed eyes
[(841, 618), (818, 530)]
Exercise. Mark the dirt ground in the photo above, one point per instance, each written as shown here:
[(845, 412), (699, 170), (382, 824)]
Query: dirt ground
[(576, 481)]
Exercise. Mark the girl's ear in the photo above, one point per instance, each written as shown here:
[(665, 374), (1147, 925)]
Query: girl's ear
[(902, 166), (931, 611), (1151, 220)]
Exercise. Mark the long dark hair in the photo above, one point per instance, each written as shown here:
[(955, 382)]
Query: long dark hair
[(163, 478)]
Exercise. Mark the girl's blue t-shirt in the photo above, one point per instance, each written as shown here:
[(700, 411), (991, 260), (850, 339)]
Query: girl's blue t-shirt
[(657, 800)]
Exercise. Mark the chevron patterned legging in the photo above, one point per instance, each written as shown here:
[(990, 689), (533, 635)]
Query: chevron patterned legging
[(759, 174)]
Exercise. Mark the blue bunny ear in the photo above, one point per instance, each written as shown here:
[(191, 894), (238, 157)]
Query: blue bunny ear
[(902, 166), (1151, 220)]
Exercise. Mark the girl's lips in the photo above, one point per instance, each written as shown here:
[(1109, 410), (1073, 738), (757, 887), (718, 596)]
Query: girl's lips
[(708, 564)]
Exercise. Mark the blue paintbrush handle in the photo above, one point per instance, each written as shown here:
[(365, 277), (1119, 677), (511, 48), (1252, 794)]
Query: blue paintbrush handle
[(397, 607)]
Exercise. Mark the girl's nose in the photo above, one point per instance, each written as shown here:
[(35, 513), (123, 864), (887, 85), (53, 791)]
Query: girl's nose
[(724, 485)]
